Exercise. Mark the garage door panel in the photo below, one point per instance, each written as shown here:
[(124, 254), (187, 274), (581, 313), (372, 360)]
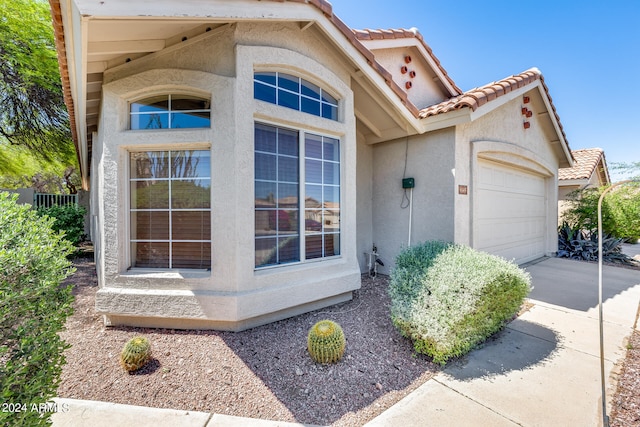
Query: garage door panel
[(494, 204), (510, 212)]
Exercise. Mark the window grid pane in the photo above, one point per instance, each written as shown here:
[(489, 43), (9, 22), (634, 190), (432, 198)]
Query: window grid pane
[(170, 209), (322, 217), (295, 93), (170, 112), (277, 191), (278, 204)]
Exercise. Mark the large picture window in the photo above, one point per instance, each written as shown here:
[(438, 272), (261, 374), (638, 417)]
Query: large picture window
[(170, 213), (170, 112), (297, 196)]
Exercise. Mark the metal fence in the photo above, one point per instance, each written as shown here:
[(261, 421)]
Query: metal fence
[(45, 200)]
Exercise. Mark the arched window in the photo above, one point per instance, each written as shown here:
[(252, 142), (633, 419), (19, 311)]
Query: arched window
[(172, 111), (295, 93)]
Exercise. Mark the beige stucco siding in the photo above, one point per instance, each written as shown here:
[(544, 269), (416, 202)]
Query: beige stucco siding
[(364, 201), (233, 295), (430, 161)]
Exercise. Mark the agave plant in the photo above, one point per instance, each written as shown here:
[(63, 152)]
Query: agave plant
[(579, 244)]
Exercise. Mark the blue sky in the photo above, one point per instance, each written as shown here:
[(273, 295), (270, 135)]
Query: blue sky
[(588, 52)]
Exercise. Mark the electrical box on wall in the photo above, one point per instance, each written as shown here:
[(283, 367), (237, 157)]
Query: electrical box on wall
[(408, 183)]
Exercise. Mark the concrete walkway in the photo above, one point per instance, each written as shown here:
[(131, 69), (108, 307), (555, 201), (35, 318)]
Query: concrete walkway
[(543, 369)]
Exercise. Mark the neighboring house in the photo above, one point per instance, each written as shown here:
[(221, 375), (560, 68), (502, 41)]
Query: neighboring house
[(589, 170), (244, 156)]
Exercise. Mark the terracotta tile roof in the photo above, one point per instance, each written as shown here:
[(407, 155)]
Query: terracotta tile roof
[(479, 96), (402, 33), (470, 99), (586, 161)]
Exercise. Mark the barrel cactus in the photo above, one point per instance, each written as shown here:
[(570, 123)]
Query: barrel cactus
[(135, 354), (326, 342)]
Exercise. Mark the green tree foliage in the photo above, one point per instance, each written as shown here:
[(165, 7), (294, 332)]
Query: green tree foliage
[(20, 168), (620, 211), (32, 113), (33, 309)]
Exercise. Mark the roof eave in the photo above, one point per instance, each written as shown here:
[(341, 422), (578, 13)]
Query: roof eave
[(60, 15)]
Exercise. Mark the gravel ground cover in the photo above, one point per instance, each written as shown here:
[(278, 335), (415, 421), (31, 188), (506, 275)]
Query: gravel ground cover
[(264, 372)]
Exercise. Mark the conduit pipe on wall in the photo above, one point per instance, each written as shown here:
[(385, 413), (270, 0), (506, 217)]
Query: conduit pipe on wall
[(410, 215)]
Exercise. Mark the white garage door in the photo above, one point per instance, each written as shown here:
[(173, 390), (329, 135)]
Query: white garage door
[(510, 212)]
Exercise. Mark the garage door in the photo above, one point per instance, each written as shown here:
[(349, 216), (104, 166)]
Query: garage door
[(509, 212)]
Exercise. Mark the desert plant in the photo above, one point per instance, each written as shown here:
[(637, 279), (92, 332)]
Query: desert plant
[(620, 211), (67, 218), (33, 309), (326, 342), (582, 245), (135, 354), (449, 298)]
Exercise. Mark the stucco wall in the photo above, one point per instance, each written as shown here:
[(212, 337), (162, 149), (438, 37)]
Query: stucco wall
[(424, 90), (233, 295), (430, 161), (364, 201), (25, 195)]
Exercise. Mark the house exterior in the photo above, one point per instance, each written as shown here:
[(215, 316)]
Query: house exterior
[(244, 156), (589, 170)]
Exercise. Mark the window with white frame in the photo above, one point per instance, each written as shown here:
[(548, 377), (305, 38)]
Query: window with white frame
[(170, 209), (170, 111), (297, 195), (295, 93)]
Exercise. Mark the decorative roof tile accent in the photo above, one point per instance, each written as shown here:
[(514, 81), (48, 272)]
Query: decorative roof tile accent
[(585, 164), (402, 33), (479, 96)]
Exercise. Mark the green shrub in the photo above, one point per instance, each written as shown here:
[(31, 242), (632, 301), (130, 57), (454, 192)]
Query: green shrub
[(69, 219), (583, 245), (620, 211), (33, 309), (449, 298)]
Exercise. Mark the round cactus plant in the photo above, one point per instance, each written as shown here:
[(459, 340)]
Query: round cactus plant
[(135, 354), (326, 342)]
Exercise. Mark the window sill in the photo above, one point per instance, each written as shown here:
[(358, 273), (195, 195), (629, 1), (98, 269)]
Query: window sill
[(146, 273), (300, 265)]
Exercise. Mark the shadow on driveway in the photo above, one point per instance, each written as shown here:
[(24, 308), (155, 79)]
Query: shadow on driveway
[(574, 284)]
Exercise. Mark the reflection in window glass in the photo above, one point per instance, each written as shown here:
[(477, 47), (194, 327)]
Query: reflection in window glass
[(277, 211), (170, 214), (295, 93), (170, 112), (279, 200)]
